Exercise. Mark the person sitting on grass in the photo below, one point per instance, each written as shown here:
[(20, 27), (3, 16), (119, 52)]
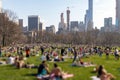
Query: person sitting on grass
[(20, 63), (10, 59), (103, 75), (43, 57), (58, 74), (48, 58), (16, 61), (43, 71), (58, 58)]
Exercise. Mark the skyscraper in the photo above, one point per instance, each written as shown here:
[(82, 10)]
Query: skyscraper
[(62, 26), (51, 29), (81, 26), (91, 10), (68, 19), (89, 16), (108, 25), (0, 6), (40, 26), (62, 18), (74, 26), (118, 14), (20, 22), (108, 22), (33, 23)]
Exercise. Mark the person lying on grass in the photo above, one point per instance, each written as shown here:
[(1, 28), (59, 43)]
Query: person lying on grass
[(2, 62), (80, 62), (58, 58), (102, 73), (20, 63)]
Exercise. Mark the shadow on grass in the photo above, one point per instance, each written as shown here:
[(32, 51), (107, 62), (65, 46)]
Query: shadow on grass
[(93, 72), (32, 74), (118, 69)]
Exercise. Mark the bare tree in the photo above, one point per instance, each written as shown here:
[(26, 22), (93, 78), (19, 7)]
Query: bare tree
[(10, 32)]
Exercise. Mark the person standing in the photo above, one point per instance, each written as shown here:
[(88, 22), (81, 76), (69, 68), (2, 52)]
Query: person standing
[(42, 50), (107, 51), (18, 50), (27, 52), (100, 52), (21, 52), (62, 51), (116, 53), (0, 52), (75, 54)]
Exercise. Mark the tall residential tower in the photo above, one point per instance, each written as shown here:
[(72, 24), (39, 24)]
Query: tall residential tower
[(0, 6), (62, 26), (89, 16), (118, 14), (68, 19), (90, 10)]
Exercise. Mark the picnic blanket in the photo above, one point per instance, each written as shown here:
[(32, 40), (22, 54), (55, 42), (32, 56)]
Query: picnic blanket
[(84, 65), (95, 78), (48, 77), (65, 76)]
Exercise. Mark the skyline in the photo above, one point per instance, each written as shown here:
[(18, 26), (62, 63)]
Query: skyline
[(49, 11)]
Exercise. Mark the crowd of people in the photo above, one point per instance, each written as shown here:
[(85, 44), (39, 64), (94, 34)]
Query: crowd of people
[(17, 56)]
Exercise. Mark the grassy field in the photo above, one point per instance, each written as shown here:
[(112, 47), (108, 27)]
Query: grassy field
[(9, 72)]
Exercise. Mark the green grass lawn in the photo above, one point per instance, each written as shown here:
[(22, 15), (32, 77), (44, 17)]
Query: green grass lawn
[(9, 72)]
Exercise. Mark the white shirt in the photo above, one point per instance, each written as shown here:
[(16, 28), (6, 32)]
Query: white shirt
[(10, 60), (43, 58)]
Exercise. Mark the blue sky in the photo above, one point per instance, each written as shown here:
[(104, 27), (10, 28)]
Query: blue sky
[(49, 10)]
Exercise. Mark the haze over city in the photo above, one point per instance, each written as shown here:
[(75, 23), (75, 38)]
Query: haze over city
[(59, 39), (50, 10)]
